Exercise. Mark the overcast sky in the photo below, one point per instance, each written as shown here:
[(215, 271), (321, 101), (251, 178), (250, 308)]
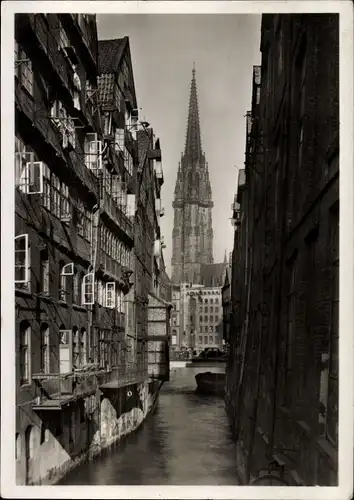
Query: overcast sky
[(224, 49)]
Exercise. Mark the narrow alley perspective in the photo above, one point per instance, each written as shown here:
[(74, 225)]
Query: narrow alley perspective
[(176, 250), (186, 440)]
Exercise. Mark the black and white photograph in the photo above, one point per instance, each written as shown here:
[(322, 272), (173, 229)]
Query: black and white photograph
[(177, 249)]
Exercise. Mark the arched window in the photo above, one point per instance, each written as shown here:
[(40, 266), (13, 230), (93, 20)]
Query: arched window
[(45, 359), (30, 442), (17, 446), (25, 346), (62, 282), (76, 347)]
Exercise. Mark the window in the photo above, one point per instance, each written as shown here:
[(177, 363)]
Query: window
[(29, 173), (65, 209), (201, 319), (76, 288), (65, 124), (64, 335), (88, 286), (107, 120), (93, 152), (211, 340), (211, 301), (200, 339), (45, 360), (76, 346), (216, 319), (206, 309), (216, 301), (211, 309), (205, 339), (62, 282), (83, 346), (110, 295), (205, 328), (22, 259), (44, 277), (211, 319), (29, 442), (17, 446), (25, 340), (23, 69), (119, 139), (83, 220), (128, 161), (332, 397), (56, 195)]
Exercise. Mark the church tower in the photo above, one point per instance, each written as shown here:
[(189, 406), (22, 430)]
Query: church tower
[(192, 235)]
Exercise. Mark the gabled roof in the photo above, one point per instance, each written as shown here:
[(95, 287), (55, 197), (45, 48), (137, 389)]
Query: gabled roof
[(110, 54)]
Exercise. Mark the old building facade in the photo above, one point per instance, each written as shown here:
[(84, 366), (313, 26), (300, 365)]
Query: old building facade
[(76, 161), (282, 374)]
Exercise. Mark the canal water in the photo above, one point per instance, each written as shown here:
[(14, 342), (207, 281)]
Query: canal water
[(185, 441)]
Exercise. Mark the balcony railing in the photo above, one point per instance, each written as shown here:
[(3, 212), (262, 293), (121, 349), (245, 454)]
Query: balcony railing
[(56, 390), (129, 374)]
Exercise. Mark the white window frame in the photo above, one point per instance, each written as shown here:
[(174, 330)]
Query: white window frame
[(111, 295), (26, 250), (26, 170), (68, 269), (93, 148), (87, 283)]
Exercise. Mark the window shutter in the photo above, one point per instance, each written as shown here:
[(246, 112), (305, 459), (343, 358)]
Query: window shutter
[(88, 285), (68, 269), (21, 258), (34, 176)]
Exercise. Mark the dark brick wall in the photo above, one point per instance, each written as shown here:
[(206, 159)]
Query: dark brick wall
[(274, 383)]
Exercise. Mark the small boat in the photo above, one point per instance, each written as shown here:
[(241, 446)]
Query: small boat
[(211, 383)]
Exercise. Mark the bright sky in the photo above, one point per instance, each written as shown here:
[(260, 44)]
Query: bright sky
[(224, 49)]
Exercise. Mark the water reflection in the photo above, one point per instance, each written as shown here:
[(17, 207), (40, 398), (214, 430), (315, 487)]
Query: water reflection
[(186, 441)]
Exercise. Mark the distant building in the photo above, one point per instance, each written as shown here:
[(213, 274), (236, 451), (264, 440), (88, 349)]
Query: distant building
[(282, 375)]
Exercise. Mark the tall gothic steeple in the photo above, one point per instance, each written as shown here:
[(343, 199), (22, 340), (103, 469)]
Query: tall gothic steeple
[(192, 232), (193, 146)]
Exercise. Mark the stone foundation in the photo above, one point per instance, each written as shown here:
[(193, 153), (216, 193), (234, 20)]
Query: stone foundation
[(57, 445)]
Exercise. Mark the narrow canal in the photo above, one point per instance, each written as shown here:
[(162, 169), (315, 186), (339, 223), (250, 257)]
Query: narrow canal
[(186, 441)]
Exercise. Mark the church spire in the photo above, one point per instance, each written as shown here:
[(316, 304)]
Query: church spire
[(193, 147)]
